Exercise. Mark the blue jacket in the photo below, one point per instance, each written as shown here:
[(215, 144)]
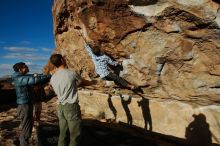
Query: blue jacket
[(23, 85)]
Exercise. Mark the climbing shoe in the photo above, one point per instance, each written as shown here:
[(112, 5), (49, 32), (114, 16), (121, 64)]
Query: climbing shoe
[(137, 89)]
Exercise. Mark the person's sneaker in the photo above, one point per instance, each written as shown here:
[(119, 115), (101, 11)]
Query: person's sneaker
[(133, 87), (137, 89), (115, 90)]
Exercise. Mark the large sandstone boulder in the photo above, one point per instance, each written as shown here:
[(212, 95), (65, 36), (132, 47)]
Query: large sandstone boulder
[(185, 34)]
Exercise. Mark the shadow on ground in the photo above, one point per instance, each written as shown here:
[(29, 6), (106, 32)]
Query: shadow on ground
[(108, 134)]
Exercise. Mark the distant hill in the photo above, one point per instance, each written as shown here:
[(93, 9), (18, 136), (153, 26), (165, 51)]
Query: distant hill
[(5, 78), (7, 92)]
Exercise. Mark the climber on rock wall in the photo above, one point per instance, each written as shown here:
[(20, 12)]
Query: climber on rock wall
[(102, 63)]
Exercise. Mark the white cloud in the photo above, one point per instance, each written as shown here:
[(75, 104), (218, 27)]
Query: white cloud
[(18, 49), (6, 69), (29, 63), (26, 56), (46, 49), (5, 66), (35, 68)]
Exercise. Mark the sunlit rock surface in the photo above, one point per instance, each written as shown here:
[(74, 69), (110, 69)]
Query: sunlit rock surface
[(184, 33)]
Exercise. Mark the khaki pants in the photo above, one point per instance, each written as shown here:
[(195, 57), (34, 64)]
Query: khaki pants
[(70, 124)]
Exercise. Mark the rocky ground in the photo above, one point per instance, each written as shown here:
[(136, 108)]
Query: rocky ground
[(94, 132)]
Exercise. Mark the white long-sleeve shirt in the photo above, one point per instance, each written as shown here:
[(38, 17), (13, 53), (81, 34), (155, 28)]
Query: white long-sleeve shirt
[(101, 62)]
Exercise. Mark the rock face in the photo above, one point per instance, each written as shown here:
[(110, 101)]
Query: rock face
[(196, 124), (176, 39)]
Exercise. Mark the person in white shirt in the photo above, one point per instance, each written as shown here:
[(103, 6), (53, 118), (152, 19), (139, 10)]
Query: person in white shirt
[(64, 83), (102, 62)]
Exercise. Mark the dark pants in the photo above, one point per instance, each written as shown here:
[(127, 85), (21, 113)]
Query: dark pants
[(25, 113), (70, 124), (117, 79)]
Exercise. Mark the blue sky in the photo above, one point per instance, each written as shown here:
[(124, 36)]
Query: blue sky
[(26, 34)]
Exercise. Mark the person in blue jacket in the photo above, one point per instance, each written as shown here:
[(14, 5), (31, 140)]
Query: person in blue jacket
[(24, 83)]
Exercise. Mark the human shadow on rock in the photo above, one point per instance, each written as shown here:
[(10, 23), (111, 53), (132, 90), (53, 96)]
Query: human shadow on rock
[(197, 132), (144, 104), (112, 108), (125, 101)]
